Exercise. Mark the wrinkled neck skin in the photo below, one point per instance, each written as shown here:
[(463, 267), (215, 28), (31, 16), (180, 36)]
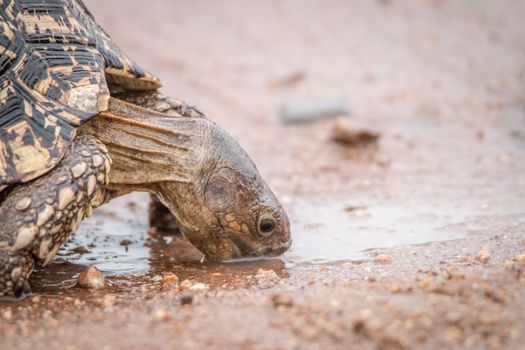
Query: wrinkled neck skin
[(148, 148)]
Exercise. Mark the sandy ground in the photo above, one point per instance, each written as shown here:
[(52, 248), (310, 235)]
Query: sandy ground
[(443, 83)]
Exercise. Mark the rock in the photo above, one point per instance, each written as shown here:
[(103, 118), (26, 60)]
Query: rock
[(394, 288), (199, 287), (353, 133), (81, 250), (156, 278), (520, 258), (161, 315), (108, 300), (186, 299), (483, 256), (308, 110), (266, 274), (169, 281), (290, 79), (91, 277), (382, 258), (508, 264), (125, 242), (266, 278), (186, 284), (281, 300)]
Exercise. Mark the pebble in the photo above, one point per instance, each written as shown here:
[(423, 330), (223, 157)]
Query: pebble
[(281, 300), (394, 288), (125, 242), (508, 264), (483, 256), (186, 299), (353, 133), (383, 258), (186, 284), (169, 281), (199, 287), (91, 277), (308, 110), (156, 278), (161, 315), (520, 258), (266, 274), (108, 300)]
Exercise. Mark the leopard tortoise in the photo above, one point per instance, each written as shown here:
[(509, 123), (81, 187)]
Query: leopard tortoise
[(81, 123)]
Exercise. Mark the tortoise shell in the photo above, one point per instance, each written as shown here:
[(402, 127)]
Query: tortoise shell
[(56, 66)]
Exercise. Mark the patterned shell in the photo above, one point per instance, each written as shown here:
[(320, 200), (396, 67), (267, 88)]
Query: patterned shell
[(55, 66)]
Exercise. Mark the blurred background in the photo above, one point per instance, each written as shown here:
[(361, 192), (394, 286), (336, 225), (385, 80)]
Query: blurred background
[(427, 98)]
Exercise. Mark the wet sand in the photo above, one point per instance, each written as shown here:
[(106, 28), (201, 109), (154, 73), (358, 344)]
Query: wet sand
[(415, 242)]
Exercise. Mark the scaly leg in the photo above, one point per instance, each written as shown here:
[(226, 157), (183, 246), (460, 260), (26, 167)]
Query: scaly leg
[(37, 217), (160, 216)]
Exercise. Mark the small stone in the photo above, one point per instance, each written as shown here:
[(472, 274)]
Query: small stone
[(186, 284), (108, 300), (186, 299), (508, 264), (520, 258), (266, 274), (170, 280), (161, 315), (281, 300), (23, 204), (199, 287), (125, 242), (308, 110), (353, 133), (80, 250), (7, 314), (78, 169), (394, 288), (91, 277), (382, 258), (156, 278), (483, 256)]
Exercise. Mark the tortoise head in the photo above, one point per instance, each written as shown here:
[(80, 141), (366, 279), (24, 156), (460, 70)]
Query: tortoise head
[(225, 208)]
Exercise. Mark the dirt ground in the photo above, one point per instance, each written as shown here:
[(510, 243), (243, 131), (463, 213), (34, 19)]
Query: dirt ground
[(416, 242)]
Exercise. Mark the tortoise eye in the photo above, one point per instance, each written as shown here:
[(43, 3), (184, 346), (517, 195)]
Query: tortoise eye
[(266, 226)]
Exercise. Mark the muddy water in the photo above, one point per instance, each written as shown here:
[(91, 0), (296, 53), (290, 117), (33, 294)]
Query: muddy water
[(117, 239)]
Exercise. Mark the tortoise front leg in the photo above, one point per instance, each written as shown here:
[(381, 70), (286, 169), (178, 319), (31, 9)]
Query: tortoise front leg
[(160, 216), (37, 217)]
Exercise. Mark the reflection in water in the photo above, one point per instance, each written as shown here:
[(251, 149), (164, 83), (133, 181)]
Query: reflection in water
[(116, 240), (130, 255)]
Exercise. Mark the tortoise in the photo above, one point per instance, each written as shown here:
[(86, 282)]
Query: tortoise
[(81, 123)]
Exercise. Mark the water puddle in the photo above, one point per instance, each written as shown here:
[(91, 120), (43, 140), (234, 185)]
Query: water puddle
[(116, 238)]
